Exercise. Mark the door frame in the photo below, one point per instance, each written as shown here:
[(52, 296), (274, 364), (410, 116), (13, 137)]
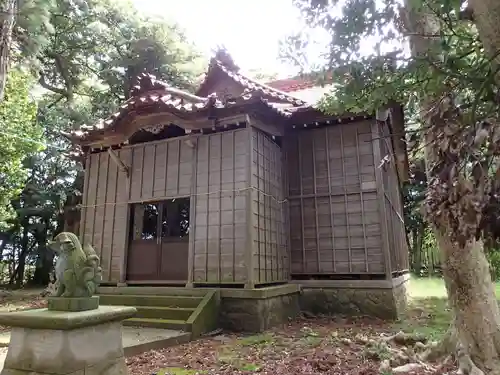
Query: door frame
[(161, 202)]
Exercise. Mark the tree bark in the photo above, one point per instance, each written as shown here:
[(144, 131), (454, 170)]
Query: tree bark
[(472, 298), (418, 236), (475, 331), (7, 18), (486, 16)]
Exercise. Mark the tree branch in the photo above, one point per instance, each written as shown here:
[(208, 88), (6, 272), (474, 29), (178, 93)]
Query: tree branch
[(49, 87)]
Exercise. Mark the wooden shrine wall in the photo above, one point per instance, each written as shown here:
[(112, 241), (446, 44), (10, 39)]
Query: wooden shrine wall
[(104, 216), (220, 230), (216, 185), (335, 222), (269, 236), (392, 209)]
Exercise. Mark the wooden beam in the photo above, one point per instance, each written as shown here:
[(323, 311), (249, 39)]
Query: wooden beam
[(119, 162), (270, 129)]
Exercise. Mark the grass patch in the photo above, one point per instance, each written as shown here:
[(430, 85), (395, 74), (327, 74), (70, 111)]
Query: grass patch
[(257, 340), (428, 313), (311, 341), (378, 351), (179, 371), (227, 356), (249, 367)]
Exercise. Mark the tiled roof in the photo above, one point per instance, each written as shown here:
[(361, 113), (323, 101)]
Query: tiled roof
[(299, 83), (223, 62), (150, 94), (292, 84)]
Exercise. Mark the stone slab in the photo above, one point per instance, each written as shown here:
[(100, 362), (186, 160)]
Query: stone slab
[(137, 340), (64, 320), (73, 304)]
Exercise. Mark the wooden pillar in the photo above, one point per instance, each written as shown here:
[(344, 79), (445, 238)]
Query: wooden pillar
[(193, 143), (381, 198), (128, 187), (249, 261)]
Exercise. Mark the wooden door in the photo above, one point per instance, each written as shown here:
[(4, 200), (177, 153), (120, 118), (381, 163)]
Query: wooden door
[(144, 244), (174, 240), (159, 241)]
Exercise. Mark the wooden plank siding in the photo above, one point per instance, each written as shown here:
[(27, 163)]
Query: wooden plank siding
[(334, 209), (217, 185), (259, 212), (398, 250), (269, 248), (221, 205)]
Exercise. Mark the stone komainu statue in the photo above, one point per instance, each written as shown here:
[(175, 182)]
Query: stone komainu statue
[(77, 268)]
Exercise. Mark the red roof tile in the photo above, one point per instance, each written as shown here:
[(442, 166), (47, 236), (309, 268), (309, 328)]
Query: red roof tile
[(298, 83), (292, 84)]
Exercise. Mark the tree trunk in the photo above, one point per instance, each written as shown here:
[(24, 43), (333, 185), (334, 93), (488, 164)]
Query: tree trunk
[(418, 235), (475, 331), (486, 15), (471, 295), (45, 259), (44, 265), (7, 18), (18, 275)]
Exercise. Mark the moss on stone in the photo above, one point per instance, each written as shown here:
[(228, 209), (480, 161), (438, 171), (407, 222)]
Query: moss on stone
[(73, 303), (381, 303), (257, 315)]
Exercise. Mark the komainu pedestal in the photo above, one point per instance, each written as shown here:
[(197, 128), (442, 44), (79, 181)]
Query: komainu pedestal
[(66, 342), (74, 335)]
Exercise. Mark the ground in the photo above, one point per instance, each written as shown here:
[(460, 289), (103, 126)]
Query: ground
[(326, 345)]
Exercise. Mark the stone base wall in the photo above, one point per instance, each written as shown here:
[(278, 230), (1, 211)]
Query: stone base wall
[(387, 303), (257, 314)]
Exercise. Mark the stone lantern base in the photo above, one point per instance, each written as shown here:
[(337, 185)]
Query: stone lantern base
[(48, 342)]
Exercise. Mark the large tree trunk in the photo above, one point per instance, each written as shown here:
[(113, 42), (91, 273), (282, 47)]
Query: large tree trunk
[(417, 242), (7, 18), (471, 295), (454, 216), (486, 15)]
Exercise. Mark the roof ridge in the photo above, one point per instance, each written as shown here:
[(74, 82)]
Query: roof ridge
[(263, 87)]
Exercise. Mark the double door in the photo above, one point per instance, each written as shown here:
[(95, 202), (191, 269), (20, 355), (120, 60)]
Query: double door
[(159, 241)]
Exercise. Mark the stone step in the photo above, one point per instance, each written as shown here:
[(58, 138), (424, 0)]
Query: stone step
[(173, 324), (150, 300), (158, 312), (154, 290)]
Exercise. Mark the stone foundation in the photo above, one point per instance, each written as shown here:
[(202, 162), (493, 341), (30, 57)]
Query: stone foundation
[(388, 301), (258, 309)]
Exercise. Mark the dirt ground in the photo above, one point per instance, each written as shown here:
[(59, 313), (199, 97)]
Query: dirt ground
[(324, 345)]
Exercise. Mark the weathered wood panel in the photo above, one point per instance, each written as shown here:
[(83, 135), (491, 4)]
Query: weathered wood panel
[(161, 170), (398, 249), (219, 230), (104, 215), (165, 170), (334, 210), (121, 220), (269, 251)]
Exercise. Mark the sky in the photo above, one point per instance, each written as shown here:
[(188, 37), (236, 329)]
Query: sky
[(250, 30)]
